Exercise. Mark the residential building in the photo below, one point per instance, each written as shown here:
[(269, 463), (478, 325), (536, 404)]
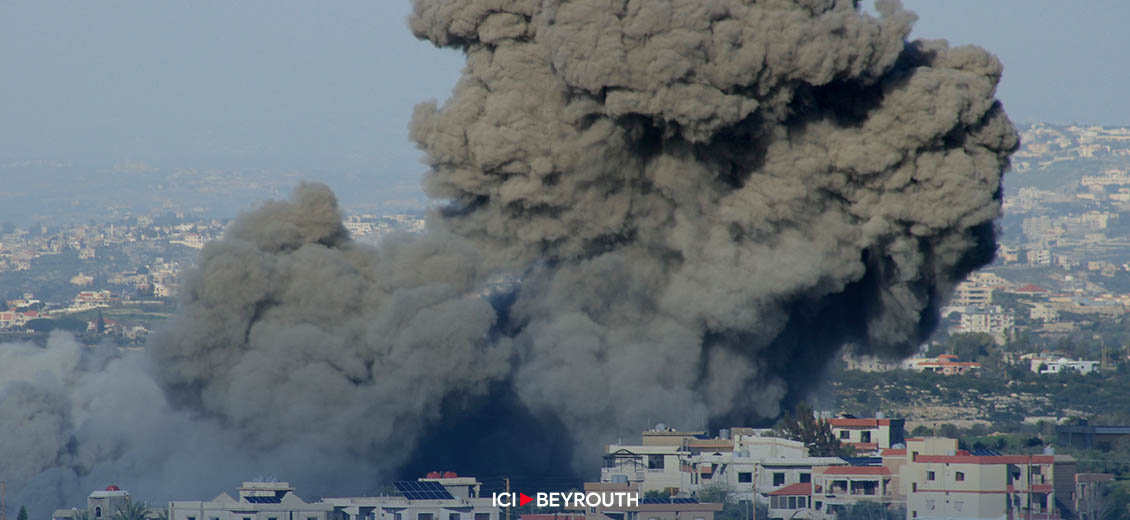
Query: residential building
[(868, 435), (970, 293), (1089, 493), (1042, 365), (255, 501), (942, 482), (102, 504), (743, 459), (646, 509), (946, 364), (837, 488), (988, 319), (423, 499)]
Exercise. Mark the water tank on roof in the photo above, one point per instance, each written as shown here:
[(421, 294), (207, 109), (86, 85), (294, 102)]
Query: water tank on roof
[(450, 474), (660, 427), (112, 487), (724, 433)]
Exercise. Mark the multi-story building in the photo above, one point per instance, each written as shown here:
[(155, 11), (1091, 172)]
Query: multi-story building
[(453, 498), (942, 482), (255, 501), (988, 319), (868, 435), (742, 459), (646, 508)]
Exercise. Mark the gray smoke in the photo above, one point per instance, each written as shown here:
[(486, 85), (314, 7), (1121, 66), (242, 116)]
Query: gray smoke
[(671, 210)]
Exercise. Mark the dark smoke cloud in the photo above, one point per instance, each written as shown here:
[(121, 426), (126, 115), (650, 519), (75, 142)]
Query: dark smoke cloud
[(718, 193), (653, 210)]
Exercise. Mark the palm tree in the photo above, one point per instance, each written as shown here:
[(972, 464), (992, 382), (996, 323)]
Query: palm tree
[(132, 511)]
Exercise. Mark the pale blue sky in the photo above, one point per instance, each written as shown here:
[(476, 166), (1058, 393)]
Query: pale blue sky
[(303, 84)]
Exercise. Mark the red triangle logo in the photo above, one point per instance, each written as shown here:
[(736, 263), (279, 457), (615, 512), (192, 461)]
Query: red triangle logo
[(523, 499)]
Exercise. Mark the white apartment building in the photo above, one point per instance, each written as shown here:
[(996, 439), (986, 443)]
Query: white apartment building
[(740, 458), (256, 501), (990, 319), (1062, 365)]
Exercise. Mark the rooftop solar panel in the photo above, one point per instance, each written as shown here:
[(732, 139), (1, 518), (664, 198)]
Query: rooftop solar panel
[(863, 461), (264, 500), (415, 490), (668, 501)]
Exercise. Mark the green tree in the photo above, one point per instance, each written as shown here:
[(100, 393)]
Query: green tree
[(100, 325), (971, 346), (22, 514), (655, 494), (132, 511), (1115, 501), (816, 434)]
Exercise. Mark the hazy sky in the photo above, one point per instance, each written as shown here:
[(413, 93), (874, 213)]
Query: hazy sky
[(331, 85)]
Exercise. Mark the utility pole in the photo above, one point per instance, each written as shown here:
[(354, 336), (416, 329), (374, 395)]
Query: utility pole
[(507, 479), (753, 502)]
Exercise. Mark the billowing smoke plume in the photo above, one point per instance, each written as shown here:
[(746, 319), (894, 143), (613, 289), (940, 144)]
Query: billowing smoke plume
[(669, 210), (716, 194)]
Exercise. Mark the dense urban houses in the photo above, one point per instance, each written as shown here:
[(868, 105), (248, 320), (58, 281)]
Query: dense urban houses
[(925, 477), (647, 508)]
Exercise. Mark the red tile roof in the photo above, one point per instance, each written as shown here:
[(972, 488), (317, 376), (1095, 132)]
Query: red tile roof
[(893, 452), (800, 488)]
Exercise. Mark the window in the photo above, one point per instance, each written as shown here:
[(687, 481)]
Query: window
[(959, 476), (819, 504), (792, 502), (453, 516), (914, 514), (268, 518), (655, 462), (424, 516), (864, 436), (191, 518), (775, 502), (482, 516), (397, 516), (98, 512), (745, 477), (806, 477), (929, 475), (914, 487), (801, 502), (778, 479), (1035, 470), (845, 435)]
